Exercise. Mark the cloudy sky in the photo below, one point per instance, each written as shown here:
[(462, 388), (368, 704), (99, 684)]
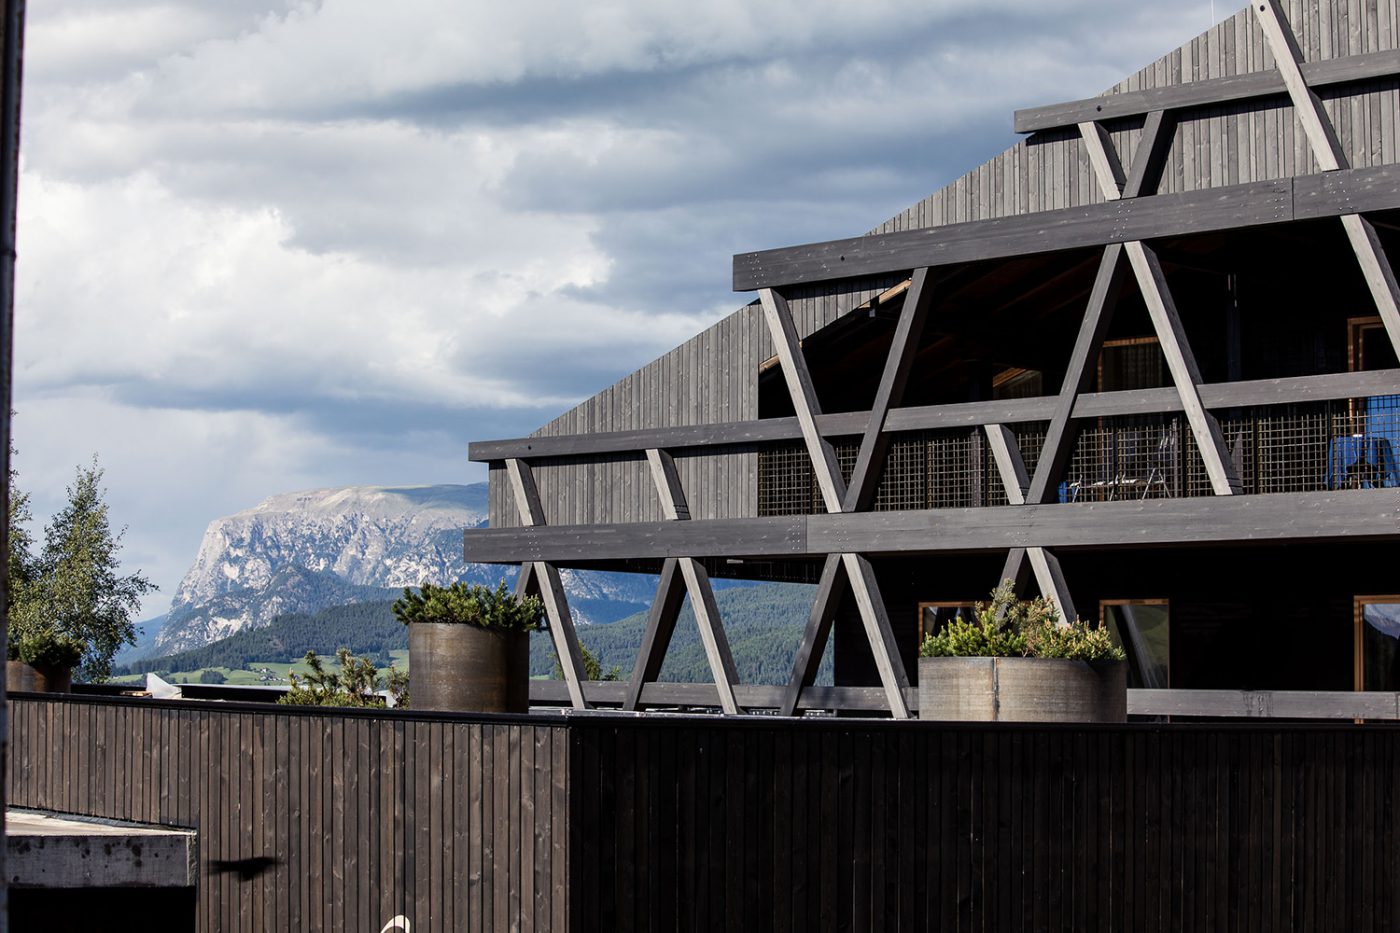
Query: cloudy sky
[(273, 246)]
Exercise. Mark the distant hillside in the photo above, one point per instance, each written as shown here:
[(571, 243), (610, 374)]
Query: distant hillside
[(764, 623), (365, 628)]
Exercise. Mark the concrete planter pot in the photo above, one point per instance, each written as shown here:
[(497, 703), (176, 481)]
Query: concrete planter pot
[(463, 667), (1022, 690), (44, 678)]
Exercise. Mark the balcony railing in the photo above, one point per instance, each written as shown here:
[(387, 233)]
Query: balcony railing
[(1307, 447)]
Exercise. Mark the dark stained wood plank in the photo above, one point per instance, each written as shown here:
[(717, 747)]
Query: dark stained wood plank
[(962, 415), (1205, 93), (1228, 207)]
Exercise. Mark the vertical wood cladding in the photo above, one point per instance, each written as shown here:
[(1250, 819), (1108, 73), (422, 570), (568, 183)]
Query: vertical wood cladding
[(713, 376), (316, 821), (327, 820)]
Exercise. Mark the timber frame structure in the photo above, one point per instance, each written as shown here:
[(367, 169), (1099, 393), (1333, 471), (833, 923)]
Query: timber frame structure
[(770, 446)]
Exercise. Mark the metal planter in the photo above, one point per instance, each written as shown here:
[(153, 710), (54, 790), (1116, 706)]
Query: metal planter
[(463, 667), (28, 678)]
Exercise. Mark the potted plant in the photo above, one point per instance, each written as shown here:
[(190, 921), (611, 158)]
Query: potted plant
[(42, 661), (468, 646), (1017, 661)]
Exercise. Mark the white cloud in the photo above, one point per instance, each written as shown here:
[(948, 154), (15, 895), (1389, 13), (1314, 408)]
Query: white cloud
[(267, 246)]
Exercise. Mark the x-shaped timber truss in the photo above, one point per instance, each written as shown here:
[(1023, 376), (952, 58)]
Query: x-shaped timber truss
[(850, 573)]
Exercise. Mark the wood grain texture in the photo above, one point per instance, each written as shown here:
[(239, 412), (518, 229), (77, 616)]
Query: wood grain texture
[(1359, 514)]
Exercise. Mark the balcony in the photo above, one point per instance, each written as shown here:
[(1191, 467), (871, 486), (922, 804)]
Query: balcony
[(1307, 447)]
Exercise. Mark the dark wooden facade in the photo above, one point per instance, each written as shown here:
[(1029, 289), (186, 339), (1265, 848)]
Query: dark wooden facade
[(1167, 320), (320, 820)]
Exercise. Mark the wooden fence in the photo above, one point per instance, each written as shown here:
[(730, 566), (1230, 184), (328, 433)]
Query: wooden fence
[(605, 822)]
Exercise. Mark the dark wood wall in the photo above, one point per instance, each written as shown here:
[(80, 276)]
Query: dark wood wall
[(597, 822), (916, 826), (315, 820)]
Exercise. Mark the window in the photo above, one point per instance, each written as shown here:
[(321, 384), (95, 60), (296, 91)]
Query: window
[(1377, 639), (1142, 628), (1368, 345), (933, 616)]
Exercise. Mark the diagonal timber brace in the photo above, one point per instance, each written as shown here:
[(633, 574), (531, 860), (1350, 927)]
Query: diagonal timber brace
[(1012, 469), (1161, 307), (848, 571), (543, 577), (680, 575)]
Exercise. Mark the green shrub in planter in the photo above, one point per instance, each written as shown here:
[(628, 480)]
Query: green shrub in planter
[(47, 648), (1007, 627), (463, 604), (1017, 661)]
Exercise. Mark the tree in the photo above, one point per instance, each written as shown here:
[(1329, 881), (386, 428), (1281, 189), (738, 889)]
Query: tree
[(73, 588)]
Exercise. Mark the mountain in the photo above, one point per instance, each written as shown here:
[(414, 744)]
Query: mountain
[(764, 624), (306, 551)]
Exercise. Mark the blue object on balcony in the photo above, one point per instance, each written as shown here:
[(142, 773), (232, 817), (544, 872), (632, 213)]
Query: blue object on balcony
[(1366, 461)]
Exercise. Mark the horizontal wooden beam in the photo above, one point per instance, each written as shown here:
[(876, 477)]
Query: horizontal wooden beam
[(1265, 704), (1358, 514), (749, 696), (1208, 93), (932, 417), (1232, 704), (1228, 207)]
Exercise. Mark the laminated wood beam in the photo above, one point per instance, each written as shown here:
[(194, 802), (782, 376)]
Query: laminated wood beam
[(668, 485), (1228, 207), (1161, 308), (544, 578), (751, 696), (1378, 272), (1330, 156), (712, 637), (958, 415), (804, 397), (830, 589), (1357, 514), (1103, 159), (874, 445), (860, 577), (1059, 434), (1158, 131), (1181, 363), (1006, 453), (1208, 93), (662, 620), (661, 626), (1288, 58)]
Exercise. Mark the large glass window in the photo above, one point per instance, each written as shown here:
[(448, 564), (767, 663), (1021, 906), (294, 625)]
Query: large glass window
[(1142, 628), (1377, 642)]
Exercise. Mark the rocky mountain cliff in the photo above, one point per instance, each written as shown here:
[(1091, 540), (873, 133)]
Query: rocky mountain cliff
[(306, 551)]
